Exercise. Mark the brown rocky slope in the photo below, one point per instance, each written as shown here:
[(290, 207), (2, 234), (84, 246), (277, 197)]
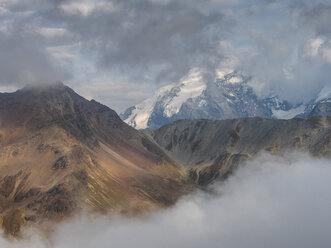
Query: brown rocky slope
[(60, 153)]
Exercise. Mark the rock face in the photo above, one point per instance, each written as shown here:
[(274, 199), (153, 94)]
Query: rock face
[(60, 152), (230, 96), (211, 149)]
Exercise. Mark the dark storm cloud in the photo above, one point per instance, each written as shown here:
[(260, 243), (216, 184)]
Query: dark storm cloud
[(161, 40), (147, 39), (165, 39)]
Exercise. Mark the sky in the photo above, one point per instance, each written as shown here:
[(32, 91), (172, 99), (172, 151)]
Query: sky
[(120, 52), (269, 202)]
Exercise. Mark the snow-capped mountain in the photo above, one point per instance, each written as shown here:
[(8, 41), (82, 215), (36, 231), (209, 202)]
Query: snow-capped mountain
[(230, 96), (321, 105)]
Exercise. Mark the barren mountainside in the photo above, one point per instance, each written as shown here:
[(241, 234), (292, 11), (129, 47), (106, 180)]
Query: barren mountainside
[(211, 149), (60, 154)]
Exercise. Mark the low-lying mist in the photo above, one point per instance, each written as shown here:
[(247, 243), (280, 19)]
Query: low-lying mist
[(268, 202)]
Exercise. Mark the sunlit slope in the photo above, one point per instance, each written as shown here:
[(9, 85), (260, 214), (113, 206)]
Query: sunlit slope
[(60, 153)]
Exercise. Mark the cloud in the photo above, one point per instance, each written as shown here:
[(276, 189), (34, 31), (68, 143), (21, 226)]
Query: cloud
[(269, 202), (116, 94), (315, 16), (159, 41), (281, 67), (148, 41), (24, 60), (279, 52), (146, 35), (163, 39)]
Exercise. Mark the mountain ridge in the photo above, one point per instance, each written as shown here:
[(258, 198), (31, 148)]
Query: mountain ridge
[(60, 153), (212, 149), (229, 96)]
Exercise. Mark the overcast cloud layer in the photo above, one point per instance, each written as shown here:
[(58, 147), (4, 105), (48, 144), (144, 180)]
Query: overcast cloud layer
[(141, 45), (269, 202)]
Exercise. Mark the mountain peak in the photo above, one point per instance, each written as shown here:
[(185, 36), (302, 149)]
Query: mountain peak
[(50, 86), (194, 97), (229, 96), (57, 104), (47, 92), (60, 152)]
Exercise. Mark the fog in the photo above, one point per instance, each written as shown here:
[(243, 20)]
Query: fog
[(268, 202)]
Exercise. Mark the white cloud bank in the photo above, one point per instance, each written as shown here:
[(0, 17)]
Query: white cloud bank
[(269, 202)]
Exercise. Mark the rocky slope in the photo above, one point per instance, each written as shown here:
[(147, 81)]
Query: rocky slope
[(211, 149), (60, 153), (230, 96)]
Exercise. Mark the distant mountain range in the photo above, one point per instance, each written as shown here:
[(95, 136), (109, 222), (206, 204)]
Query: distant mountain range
[(230, 96), (213, 149), (60, 153)]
